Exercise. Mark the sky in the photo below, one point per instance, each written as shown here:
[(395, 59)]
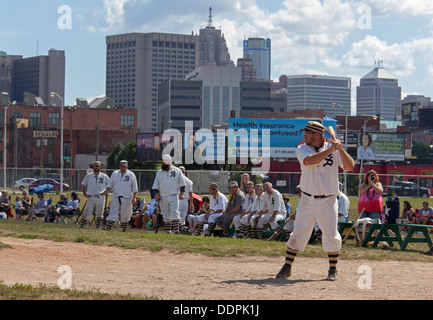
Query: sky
[(328, 37)]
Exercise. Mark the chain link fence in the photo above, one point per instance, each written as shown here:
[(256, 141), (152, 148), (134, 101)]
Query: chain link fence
[(285, 182)]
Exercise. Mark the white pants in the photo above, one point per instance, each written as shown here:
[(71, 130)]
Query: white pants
[(238, 220), (265, 220), (325, 211), (183, 209), (170, 208), (122, 206), (212, 218), (94, 203)]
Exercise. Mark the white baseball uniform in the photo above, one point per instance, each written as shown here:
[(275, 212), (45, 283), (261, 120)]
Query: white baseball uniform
[(319, 184), (272, 202), (248, 207), (216, 203), (184, 204), (257, 207), (95, 185), (123, 186), (169, 183)]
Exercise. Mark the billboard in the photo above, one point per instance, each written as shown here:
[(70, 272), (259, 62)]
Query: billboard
[(381, 146), (284, 135), (149, 147)]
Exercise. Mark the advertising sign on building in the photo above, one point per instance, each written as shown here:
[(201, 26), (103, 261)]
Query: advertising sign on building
[(381, 146)]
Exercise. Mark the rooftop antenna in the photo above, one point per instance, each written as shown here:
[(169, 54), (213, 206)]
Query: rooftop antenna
[(210, 17)]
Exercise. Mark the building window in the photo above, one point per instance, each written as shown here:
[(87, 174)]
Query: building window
[(127, 120), (54, 119), (35, 119)]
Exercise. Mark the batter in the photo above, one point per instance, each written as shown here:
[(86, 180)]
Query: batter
[(319, 184)]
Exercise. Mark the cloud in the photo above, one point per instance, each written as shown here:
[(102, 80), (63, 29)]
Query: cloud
[(401, 7)]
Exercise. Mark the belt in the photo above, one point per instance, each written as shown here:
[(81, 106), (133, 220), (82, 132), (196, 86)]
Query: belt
[(317, 197)]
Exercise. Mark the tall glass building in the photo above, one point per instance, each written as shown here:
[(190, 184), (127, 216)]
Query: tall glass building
[(319, 92), (259, 50)]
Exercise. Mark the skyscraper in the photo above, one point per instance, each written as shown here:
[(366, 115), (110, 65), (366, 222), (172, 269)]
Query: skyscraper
[(138, 62), (319, 92), (378, 93), (39, 76), (213, 47), (259, 50)]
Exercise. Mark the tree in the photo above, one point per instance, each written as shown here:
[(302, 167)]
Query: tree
[(421, 151)]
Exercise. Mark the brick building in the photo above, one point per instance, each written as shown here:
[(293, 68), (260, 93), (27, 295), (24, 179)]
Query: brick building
[(35, 140)]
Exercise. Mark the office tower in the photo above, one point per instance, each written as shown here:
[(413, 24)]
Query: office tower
[(249, 73), (213, 47), (6, 71), (220, 92), (179, 101), (39, 76), (138, 62), (319, 92), (378, 94), (259, 50)]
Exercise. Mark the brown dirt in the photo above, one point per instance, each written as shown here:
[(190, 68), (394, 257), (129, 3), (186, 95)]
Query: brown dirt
[(191, 276)]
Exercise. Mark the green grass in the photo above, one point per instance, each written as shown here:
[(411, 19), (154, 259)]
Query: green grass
[(20, 291)]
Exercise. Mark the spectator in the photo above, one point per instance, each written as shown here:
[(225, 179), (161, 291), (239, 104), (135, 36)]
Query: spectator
[(370, 199), (5, 204), (39, 209), (18, 207), (288, 206), (409, 214), (244, 179), (425, 214), (54, 210), (27, 202)]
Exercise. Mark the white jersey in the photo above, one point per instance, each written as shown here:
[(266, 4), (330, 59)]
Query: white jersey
[(169, 182), (343, 204), (258, 203), (95, 184), (273, 202), (123, 184), (188, 185), (218, 203), (249, 202), (321, 178)]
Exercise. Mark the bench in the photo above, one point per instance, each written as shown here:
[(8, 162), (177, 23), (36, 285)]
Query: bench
[(384, 235)]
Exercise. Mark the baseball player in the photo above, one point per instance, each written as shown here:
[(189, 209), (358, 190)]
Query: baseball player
[(234, 208), (288, 227), (218, 203), (257, 206), (123, 184), (169, 186), (186, 205), (272, 209), (319, 162), (241, 221), (343, 205), (93, 187)]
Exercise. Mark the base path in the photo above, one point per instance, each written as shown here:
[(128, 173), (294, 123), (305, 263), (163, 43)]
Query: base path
[(167, 275)]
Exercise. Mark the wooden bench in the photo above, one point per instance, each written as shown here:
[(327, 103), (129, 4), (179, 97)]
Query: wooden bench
[(384, 235)]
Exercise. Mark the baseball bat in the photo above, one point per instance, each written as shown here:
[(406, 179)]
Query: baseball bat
[(279, 231), (353, 226), (331, 132)]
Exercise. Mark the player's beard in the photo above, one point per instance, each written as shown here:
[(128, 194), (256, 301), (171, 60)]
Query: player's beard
[(165, 167), (96, 170)]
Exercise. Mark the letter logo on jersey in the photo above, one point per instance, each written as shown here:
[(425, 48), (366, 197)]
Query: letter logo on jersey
[(329, 161), (173, 174)]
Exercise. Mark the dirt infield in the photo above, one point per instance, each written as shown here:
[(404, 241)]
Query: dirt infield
[(189, 276)]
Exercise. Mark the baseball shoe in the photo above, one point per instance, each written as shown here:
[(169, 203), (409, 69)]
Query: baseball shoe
[(430, 252), (285, 272), (332, 275)]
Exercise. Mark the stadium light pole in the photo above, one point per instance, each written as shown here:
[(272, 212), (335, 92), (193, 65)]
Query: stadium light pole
[(345, 140), (4, 143), (52, 94)]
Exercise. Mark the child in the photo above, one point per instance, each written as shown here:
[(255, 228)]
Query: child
[(18, 208)]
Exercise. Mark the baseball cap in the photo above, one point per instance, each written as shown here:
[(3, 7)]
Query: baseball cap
[(233, 184), (166, 159), (213, 186), (249, 183), (123, 163), (340, 185), (97, 163), (314, 126)]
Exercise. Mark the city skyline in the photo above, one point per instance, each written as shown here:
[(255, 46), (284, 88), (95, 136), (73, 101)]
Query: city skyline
[(330, 37)]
